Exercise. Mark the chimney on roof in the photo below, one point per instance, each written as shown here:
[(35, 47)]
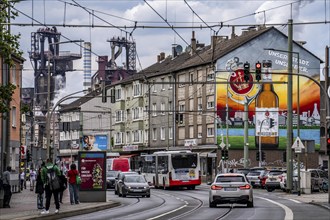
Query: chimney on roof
[(162, 56), (158, 58), (193, 43)]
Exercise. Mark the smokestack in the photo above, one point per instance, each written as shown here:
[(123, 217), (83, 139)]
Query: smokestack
[(233, 32), (162, 56), (87, 65), (193, 43)]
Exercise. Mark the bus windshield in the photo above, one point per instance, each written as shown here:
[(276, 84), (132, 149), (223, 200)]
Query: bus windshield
[(184, 161)]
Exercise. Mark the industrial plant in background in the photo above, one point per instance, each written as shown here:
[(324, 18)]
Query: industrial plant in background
[(48, 60)]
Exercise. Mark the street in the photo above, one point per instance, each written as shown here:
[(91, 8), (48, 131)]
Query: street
[(193, 204)]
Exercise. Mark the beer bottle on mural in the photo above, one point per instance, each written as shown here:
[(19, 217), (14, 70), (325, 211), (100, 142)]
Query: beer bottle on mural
[(266, 111)]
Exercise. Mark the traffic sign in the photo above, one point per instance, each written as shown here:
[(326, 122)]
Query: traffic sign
[(222, 145), (298, 145)]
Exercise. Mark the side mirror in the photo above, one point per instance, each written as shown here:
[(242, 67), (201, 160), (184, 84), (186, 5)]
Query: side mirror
[(209, 183)]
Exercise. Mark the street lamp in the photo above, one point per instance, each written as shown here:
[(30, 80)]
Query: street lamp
[(289, 122), (48, 93)]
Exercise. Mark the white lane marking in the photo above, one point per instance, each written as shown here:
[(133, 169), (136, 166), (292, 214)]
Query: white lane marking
[(287, 210), (166, 213), (293, 200)]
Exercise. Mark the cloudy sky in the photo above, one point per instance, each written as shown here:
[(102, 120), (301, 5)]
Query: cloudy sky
[(100, 20)]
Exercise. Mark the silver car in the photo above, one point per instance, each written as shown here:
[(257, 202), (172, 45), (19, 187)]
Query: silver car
[(133, 185), (230, 188)]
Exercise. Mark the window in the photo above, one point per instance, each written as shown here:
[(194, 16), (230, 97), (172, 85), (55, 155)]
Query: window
[(210, 76), (13, 116), (162, 108), (119, 116), (154, 85), (137, 113), (181, 106), (170, 133), (154, 109), (191, 104), (118, 94), (210, 131), (170, 86), (181, 80), (199, 131), (191, 78), (137, 136), (119, 138), (137, 89), (154, 134), (146, 135), (162, 133), (170, 111), (191, 131), (210, 102), (200, 104), (13, 75), (128, 137), (163, 83)]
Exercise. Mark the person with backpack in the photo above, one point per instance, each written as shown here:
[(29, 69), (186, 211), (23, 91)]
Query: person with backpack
[(73, 186), (50, 177), (64, 185)]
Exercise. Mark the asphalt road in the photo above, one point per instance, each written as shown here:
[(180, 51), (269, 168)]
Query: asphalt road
[(193, 204)]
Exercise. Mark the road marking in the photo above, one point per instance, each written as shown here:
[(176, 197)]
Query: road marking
[(296, 201), (288, 211), (166, 213)]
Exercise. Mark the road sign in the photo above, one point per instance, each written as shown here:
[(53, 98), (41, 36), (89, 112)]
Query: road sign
[(222, 145), (298, 145)]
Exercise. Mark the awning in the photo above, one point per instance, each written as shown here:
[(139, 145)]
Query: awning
[(128, 155)]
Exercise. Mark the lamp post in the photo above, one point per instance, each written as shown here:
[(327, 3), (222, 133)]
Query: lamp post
[(260, 157), (289, 124), (48, 94)]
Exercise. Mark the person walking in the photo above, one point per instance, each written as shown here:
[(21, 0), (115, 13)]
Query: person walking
[(22, 177), (6, 187), (33, 176), (73, 186), (64, 185), (47, 172), (40, 190)]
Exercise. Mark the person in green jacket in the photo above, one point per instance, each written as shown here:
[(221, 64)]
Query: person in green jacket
[(44, 176)]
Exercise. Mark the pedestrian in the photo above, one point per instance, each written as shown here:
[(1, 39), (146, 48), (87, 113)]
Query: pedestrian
[(73, 186), (47, 172), (6, 187), (64, 185), (33, 176), (40, 190), (22, 176)]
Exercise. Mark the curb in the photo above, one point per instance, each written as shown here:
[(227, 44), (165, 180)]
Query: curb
[(70, 213), (320, 205)]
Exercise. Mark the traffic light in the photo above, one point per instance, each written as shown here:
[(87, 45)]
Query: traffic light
[(246, 71), (263, 156), (258, 71), (23, 152), (181, 118), (226, 154), (258, 156), (284, 156), (104, 92), (222, 154), (328, 142), (28, 155), (177, 118)]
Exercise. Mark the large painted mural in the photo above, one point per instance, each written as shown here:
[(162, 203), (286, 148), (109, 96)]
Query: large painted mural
[(232, 92)]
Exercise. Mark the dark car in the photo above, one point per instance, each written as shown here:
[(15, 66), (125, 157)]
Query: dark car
[(120, 176), (111, 177), (133, 185)]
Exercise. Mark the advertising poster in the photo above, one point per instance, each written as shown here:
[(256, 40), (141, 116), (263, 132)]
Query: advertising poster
[(267, 112), (94, 142), (92, 169)]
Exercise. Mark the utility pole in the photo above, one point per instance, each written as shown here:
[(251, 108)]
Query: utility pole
[(246, 134)]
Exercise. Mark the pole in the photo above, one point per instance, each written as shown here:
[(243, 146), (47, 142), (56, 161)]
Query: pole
[(48, 106), (289, 115), (260, 142), (326, 86), (227, 129), (246, 135), (298, 120)]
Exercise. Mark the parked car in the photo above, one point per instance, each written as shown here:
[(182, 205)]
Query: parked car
[(230, 188), (111, 177), (245, 171), (273, 179), (255, 177), (133, 185), (284, 179), (119, 177)]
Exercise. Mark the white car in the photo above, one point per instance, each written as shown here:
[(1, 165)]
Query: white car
[(230, 188)]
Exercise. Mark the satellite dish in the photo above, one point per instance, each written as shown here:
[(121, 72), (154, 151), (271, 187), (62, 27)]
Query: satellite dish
[(178, 49), (188, 49)]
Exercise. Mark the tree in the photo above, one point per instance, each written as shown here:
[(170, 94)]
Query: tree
[(9, 46)]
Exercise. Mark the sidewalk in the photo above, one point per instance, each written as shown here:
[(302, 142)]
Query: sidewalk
[(24, 206)]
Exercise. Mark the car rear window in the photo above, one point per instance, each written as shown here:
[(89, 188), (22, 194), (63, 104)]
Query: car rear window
[(228, 179), (255, 173), (275, 173)]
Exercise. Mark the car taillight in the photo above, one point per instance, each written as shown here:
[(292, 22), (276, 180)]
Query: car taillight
[(215, 187), (247, 186)]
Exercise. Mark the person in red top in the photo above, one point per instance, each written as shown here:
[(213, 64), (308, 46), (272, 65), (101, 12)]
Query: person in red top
[(73, 187)]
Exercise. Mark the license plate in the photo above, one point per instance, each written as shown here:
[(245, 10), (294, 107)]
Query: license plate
[(230, 189), (137, 190), (272, 179)]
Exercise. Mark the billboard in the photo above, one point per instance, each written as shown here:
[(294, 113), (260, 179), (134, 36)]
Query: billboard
[(92, 169), (95, 142)]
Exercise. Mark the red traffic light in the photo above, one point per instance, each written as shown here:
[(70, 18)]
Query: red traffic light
[(258, 65), (328, 141)]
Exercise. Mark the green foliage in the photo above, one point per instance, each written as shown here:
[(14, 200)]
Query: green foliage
[(25, 108), (6, 93)]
